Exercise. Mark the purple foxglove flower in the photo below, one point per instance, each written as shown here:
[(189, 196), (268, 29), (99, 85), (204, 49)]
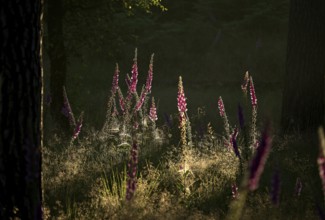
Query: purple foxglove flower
[(252, 92), (257, 164), (153, 111), (221, 107), (181, 99)]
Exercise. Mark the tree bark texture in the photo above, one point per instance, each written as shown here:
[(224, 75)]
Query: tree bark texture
[(20, 109), (58, 61), (303, 94)]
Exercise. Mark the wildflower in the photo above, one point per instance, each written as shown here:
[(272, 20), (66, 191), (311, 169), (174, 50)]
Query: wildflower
[(252, 92), (257, 164), (254, 114), (132, 165), (181, 100), (181, 104), (67, 111), (153, 111)]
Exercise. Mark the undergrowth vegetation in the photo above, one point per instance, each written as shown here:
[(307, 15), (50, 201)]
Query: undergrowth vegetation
[(135, 168)]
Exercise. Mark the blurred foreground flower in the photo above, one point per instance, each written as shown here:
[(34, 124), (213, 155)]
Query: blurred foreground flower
[(257, 164)]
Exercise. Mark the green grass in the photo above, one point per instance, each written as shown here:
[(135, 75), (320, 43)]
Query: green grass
[(87, 179)]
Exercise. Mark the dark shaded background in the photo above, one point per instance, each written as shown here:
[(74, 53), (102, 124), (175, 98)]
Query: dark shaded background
[(210, 43)]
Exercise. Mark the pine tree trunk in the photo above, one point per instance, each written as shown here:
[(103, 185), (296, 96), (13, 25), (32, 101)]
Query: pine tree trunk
[(303, 94), (20, 110), (58, 61)]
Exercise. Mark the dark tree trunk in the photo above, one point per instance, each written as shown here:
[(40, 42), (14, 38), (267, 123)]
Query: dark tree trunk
[(303, 94), (20, 110), (58, 61)]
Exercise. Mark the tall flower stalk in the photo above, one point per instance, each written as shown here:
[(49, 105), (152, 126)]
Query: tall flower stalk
[(111, 101), (254, 113), (182, 109), (148, 86)]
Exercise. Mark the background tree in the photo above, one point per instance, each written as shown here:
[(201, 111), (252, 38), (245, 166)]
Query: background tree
[(20, 110), (64, 20), (303, 94)]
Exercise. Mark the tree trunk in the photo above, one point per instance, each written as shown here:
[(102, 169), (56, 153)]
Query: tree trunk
[(20, 110), (58, 61), (303, 94)]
